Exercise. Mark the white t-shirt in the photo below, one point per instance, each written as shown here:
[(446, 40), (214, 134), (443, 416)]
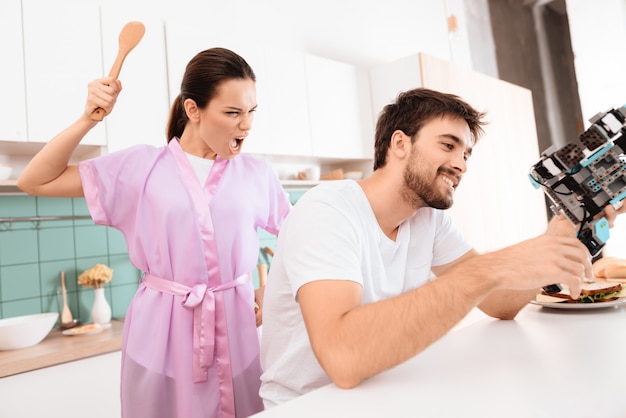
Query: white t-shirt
[(332, 233), (201, 166)]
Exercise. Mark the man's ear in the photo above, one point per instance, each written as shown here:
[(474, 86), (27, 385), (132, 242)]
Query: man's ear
[(400, 144), (192, 110)]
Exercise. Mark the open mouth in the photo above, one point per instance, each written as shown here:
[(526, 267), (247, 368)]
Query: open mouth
[(235, 144)]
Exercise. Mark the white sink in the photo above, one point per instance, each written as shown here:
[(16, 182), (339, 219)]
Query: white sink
[(25, 331)]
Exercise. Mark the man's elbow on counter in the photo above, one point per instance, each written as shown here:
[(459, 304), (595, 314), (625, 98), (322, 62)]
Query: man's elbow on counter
[(346, 382), (343, 375), (507, 315)]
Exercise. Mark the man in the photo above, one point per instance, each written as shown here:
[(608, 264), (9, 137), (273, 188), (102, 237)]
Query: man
[(350, 292)]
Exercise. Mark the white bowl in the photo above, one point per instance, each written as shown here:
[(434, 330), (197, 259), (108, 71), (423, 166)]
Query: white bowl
[(5, 171), (25, 331), (353, 175)]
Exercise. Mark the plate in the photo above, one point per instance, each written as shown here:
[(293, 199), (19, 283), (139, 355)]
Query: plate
[(86, 329), (580, 306)]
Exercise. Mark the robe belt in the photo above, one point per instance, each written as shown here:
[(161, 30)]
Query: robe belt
[(202, 299)]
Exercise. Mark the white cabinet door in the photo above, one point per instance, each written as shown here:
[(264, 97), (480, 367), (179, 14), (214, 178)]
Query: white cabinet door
[(288, 103), (183, 40), (387, 80), (142, 109), (12, 99), (335, 109), (62, 54)]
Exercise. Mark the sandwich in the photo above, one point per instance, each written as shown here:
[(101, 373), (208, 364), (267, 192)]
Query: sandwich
[(597, 292)]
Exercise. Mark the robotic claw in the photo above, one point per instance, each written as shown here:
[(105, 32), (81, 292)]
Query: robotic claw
[(581, 179)]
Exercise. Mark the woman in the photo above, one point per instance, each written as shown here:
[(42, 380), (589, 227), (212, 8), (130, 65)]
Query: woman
[(189, 212)]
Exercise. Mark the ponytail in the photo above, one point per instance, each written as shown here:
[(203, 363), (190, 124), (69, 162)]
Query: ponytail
[(178, 119)]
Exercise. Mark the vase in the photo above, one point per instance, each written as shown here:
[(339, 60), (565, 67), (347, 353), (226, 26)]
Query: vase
[(101, 310)]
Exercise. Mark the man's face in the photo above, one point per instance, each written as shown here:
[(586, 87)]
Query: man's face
[(437, 162)]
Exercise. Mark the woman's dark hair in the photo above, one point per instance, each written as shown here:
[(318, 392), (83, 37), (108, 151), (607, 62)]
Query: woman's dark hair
[(412, 109), (203, 75)]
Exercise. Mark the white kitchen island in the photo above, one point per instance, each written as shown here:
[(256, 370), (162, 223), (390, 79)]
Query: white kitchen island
[(546, 363)]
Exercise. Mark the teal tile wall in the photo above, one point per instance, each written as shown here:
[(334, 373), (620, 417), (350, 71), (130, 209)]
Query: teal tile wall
[(33, 254)]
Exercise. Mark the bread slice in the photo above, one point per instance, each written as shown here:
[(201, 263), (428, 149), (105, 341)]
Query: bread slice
[(602, 267), (596, 288), (612, 271)]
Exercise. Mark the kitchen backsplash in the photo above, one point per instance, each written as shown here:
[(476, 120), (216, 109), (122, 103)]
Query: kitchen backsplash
[(34, 253)]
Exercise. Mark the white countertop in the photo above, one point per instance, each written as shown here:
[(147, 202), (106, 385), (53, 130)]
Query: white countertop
[(546, 363), (57, 348)]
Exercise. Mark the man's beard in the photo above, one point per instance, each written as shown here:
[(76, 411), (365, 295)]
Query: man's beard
[(417, 191)]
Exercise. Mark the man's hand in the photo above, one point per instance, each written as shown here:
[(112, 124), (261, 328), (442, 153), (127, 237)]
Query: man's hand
[(560, 226)]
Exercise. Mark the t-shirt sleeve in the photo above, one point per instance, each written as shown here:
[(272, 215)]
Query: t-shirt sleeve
[(321, 243), (449, 243)]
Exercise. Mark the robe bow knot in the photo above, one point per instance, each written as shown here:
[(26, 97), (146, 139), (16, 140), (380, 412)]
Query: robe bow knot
[(203, 300)]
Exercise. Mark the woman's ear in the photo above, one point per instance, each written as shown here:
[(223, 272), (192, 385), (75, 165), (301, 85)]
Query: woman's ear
[(192, 110)]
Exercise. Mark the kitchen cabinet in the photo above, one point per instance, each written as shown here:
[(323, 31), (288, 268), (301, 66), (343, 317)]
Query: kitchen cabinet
[(495, 204), (62, 54), (46, 53), (12, 100), (83, 388), (281, 123), (311, 110), (308, 107), (64, 376), (142, 109), (183, 40), (387, 80), (290, 127), (340, 126)]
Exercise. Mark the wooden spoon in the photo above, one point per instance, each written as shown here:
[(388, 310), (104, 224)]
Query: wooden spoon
[(262, 269), (66, 314), (130, 36)]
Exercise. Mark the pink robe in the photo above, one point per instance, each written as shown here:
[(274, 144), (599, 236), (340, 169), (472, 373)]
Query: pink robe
[(190, 343)]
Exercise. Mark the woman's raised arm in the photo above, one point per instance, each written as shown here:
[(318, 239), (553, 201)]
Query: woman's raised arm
[(49, 172)]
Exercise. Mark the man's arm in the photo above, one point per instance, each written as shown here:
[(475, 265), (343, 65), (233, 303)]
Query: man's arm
[(506, 304), (501, 304), (353, 342)]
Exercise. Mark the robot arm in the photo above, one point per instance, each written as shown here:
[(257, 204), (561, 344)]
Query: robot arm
[(582, 178)]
